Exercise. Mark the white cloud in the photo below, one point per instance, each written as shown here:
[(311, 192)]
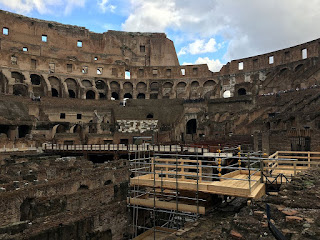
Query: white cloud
[(72, 4), (151, 16), (42, 6), (249, 26), (213, 65), (104, 6), (199, 46)]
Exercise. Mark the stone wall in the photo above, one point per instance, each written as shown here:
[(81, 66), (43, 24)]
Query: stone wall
[(51, 193)]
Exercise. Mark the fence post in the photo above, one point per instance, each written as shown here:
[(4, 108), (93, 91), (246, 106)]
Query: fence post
[(309, 160)]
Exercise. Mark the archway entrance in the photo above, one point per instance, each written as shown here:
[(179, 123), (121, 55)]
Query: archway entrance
[(90, 95), (191, 127), (242, 92)]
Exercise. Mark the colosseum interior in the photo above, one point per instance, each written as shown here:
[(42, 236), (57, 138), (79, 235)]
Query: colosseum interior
[(65, 85)]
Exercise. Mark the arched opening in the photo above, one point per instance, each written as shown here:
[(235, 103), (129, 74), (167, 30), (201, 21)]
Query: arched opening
[(18, 77), (150, 116), (242, 91), (55, 84), (35, 79), (127, 95), (297, 68), (100, 84), (54, 92), (141, 96), (282, 71), (167, 88), (20, 90), (115, 95), (191, 126), (4, 129), (102, 96), (115, 89), (86, 83), (227, 94), (154, 96), (194, 84), (194, 94), (83, 187), (26, 209), (72, 87), (60, 129), (72, 94), (154, 86), (181, 93), (23, 131), (90, 95)]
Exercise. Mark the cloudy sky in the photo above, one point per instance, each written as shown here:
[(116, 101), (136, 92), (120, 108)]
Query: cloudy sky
[(204, 31)]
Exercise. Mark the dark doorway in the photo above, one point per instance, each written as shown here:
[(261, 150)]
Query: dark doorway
[(35, 79), (55, 92), (141, 96), (90, 95), (102, 96), (242, 92), (115, 95), (191, 126), (23, 131), (72, 94), (4, 129), (154, 96), (124, 141), (127, 95)]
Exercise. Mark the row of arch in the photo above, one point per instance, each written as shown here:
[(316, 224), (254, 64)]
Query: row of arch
[(106, 89)]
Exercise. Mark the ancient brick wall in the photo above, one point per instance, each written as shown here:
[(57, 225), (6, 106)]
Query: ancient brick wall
[(50, 192)]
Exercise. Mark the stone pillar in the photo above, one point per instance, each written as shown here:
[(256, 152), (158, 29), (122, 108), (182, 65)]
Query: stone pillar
[(13, 132)]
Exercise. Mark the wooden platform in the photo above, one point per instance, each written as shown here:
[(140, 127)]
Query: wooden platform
[(238, 185)]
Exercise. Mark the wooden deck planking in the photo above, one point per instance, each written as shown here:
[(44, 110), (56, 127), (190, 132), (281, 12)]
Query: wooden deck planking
[(238, 188)]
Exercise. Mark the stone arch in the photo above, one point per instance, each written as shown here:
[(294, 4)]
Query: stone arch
[(181, 90), (115, 90), (20, 90), (242, 92), (3, 83), (35, 79), (102, 89), (90, 94), (58, 129), (191, 126), (19, 77), (141, 87), (115, 95), (194, 90), (167, 89), (150, 116), (154, 90), (128, 89), (298, 67), (283, 71), (154, 86), (23, 130), (141, 96), (127, 95), (39, 86), (86, 83), (56, 86), (76, 129), (72, 86), (208, 89)]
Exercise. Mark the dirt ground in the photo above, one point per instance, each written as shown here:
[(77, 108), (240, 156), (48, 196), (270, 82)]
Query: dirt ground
[(295, 211)]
